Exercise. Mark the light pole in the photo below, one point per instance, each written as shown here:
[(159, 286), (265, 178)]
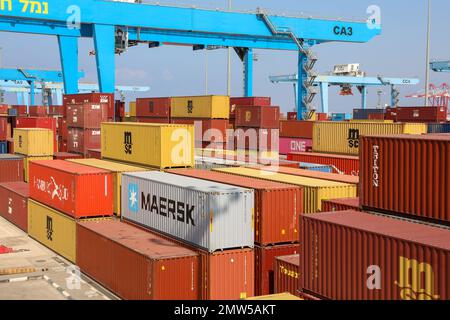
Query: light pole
[(229, 60), (427, 64)]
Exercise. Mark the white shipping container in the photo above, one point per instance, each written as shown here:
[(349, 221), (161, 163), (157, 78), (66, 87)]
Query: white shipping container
[(209, 215)]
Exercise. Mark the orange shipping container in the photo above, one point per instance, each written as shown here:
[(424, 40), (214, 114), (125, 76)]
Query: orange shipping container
[(341, 204), (296, 129), (287, 274)]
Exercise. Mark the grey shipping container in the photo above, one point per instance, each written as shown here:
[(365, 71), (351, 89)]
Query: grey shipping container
[(209, 215), (439, 127), (363, 114)]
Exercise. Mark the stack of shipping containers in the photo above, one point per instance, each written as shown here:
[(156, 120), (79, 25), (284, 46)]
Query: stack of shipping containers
[(5, 128), (295, 136)]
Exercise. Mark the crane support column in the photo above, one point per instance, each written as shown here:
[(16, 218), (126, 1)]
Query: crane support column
[(248, 73), (68, 50), (302, 94), (19, 98), (25, 100), (59, 97), (32, 93), (364, 97), (324, 96), (105, 56)]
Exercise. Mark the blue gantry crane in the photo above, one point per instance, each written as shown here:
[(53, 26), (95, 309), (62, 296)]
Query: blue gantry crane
[(324, 81), (440, 66), (115, 26)]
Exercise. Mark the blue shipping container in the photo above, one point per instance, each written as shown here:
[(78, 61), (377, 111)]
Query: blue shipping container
[(3, 147), (340, 116), (439, 128), (363, 114), (12, 112), (315, 167)]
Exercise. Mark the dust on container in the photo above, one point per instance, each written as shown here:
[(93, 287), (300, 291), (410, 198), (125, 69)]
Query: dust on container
[(154, 145), (315, 190), (371, 247), (209, 107), (209, 215), (76, 190), (287, 274), (407, 175), (11, 168), (343, 204), (33, 142), (258, 117), (87, 115), (14, 203), (342, 164), (135, 264), (286, 200), (343, 137)]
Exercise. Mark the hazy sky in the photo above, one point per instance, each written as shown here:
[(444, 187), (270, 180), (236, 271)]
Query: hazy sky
[(168, 70)]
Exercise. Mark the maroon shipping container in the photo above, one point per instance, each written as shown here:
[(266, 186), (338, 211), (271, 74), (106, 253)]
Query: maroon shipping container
[(10, 142), (341, 204), (81, 140), (391, 114), (258, 117), (296, 129), (21, 109), (135, 264), (407, 175), (5, 130), (14, 203), (265, 266), (287, 274), (94, 153), (42, 123), (257, 139), (76, 190), (66, 156), (350, 255), (422, 114), (4, 109), (251, 101), (38, 111), (87, 115), (152, 120), (11, 168), (376, 116), (57, 110), (81, 98), (153, 107), (270, 197), (214, 130), (62, 145), (342, 164), (120, 109), (63, 129), (292, 115)]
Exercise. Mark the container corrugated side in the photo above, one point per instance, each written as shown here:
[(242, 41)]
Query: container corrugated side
[(351, 255), (276, 297), (135, 264), (315, 190), (14, 203), (343, 137), (210, 215), (26, 164), (341, 204), (209, 107), (33, 142), (342, 164), (159, 146), (132, 109), (117, 169), (287, 274), (11, 168), (407, 175)]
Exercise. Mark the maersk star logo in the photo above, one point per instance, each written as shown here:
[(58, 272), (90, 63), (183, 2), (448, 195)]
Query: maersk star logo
[(133, 198)]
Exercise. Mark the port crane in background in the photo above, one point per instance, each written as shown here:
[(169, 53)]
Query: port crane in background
[(115, 26), (346, 82), (437, 95), (440, 66)]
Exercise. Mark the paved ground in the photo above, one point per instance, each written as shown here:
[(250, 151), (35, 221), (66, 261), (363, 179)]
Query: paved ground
[(33, 272)]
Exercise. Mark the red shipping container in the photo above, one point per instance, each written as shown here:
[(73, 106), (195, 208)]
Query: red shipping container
[(296, 129), (376, 116), (258, 117), (63, 129), (94, 153), (350, 255), (422, 114), (4, 109), (251, 101), (287, 274), (257, 139), (287, 164), (265, 266), (21, 109), (391, 114), (342, 164), (286, 200), (214, 130), (77, 190), (14, 203), (153, 107), (292, 115), (40, 122), (11, 168), (341, 205), (81, 98), (57, 110), (5, 131), (87, 115), (135, 264), (120, 109), (38, 111), (62, 146), (152, 120), (10, 142), (407, 175), (81, 140), (66, 156)]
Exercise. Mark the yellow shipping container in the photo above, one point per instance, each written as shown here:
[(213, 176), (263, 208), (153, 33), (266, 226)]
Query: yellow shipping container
[(33, 142), (314, 190), (132, 112), (26, 164), (156, 145), (343, 137), (117, 169), (53, 229), (208, 107), (279, 296)]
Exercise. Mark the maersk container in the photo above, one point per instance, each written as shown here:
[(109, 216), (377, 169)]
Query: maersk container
[(315, 190), (343, 137), (209, 107), (352, 255), (153, 145), (212, 216)]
